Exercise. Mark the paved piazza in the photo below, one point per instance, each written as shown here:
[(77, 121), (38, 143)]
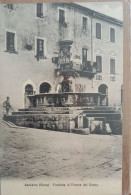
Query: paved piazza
[(31, 153)]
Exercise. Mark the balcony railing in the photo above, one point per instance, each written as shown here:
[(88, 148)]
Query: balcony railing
[(85, 69)]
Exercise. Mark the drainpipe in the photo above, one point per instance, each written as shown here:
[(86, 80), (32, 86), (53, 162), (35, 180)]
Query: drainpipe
[(92, 44), (91, 40)]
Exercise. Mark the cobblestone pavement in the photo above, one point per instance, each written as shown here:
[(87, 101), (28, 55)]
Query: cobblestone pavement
[(30, 153)]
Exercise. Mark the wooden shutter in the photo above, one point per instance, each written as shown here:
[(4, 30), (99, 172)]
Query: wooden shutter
[(98, 30), (112, 35), (40, 48), (10, 6), (99, 63), (61, 16), (112, 66), (10, 41), (84, 23), (39, 10)]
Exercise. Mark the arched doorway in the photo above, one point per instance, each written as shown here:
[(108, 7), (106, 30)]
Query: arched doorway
[(45, 87), (103, 90), (28, 91)]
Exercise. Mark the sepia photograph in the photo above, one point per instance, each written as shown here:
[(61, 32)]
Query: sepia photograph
[(61, 97)]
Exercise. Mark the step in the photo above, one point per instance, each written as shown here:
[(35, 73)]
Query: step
[(108, 116), (39, 112), (99, 111), (23, 109)]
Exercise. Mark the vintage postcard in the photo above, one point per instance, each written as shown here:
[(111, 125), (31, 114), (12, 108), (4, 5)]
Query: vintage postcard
[(61, 98)]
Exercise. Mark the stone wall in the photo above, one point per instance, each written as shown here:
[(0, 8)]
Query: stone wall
[(56, 122)]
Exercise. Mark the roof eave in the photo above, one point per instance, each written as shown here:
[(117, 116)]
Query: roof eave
[(98, 15)]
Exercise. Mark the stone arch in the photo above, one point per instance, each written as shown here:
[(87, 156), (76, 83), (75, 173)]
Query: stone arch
[(45, 87), (28, 89), (103, 90), (29, 82)]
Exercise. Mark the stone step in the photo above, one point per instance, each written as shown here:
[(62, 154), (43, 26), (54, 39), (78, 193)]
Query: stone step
[(99, 111), (108, 116), (92, 108), (39, 112), (66, 112), (23, 109)]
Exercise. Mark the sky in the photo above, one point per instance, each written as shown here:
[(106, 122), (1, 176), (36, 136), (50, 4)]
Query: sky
[(113, 9)]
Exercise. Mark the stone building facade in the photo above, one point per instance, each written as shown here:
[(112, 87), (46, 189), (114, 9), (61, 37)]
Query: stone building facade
[(34, 37)]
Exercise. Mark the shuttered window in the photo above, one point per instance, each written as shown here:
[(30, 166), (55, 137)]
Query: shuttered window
[(10, 38), (10, 6), (40, 10), (61, 16), (98, 30), (112, 66), (99, 63), (40, 48), (112, 35), (84, 23)]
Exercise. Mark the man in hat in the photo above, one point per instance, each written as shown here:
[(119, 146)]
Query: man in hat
[(7, 105)]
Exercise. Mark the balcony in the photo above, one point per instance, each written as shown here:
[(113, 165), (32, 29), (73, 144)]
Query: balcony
[(66, 65), (83, 70)]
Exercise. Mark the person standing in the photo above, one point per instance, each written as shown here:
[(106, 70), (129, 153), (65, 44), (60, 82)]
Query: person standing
[(7, 105)]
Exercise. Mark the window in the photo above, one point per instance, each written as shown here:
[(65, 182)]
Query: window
[(40, 10), (61, 16), (112, 35), (112, 78), (40, 49), (84, 23), (98, 30), (112, 66), (10, 39), (84, 55), (10, 6), (98, 77), (98, 63)]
